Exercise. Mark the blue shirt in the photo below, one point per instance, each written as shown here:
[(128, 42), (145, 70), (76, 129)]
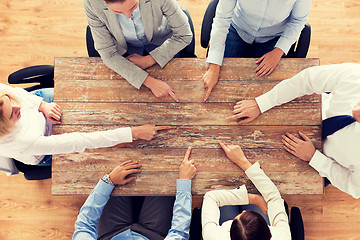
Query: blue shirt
[(134, 33), (86, 223), (259, 21)]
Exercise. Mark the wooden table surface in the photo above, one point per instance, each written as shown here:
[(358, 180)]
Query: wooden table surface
[(93, 98)]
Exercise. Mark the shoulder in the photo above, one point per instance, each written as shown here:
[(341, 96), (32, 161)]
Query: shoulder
[(95, 5)]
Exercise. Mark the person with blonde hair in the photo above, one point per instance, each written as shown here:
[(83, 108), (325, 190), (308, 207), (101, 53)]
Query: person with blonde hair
[(26, 129)]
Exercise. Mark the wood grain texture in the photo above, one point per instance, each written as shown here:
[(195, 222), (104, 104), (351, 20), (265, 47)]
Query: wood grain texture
[(254, 137), (163, 183)]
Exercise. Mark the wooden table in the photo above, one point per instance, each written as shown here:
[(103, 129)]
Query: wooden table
[(93, 97)]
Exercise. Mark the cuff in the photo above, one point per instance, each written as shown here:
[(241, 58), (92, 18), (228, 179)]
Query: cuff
[(125, 134), (140, 79), (264, 102), (183, 185), (103, 188), (215, 57), (161, 60), (284, 44), (318, 161), (253, 170)]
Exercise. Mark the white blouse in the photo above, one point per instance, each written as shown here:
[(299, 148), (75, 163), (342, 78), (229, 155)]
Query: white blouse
[(32, 139)]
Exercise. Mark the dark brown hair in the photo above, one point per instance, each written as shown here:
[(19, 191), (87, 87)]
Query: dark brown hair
[(114, 1), (250, 226)]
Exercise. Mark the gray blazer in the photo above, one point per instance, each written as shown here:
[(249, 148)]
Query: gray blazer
[(164, 22)]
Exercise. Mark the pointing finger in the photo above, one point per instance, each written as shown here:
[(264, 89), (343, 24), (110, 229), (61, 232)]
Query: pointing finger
[(187, 154), (226, 149)]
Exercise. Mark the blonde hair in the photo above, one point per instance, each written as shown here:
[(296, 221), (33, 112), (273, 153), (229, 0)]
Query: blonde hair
[(6, 126)]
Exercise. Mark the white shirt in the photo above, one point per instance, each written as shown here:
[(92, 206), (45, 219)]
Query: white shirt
[(29, 142), (340, 162), (259, 21), (210, 213)]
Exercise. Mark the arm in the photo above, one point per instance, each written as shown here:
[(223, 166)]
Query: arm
[(181, 36), (180, 224), (298, 17), (343, 178), (276, 210), (210, 213), (105, 44), (78, 142), (87, 220)]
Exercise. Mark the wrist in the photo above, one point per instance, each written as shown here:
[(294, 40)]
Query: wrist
[(134, 132), (150, 60), (108, 179), (149, 81), (214, 68), (42, 105), (244, 164)]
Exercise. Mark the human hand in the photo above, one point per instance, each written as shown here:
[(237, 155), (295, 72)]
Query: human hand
[(235, 154), (146, 132), (303, 149), (52, 111), (356, 112), (159, 88), (268, 62), (118, 176), (187, 169), (259, 201), (210, 78), (141, 61), (246, 110)]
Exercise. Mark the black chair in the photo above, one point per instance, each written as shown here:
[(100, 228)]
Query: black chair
[(187, 52), (195, 225), (44, 76), (297, 50)]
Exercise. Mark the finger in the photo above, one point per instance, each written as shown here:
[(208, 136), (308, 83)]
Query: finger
[(53, 121), (245, 120), (236, 116), (57, 111), (289, 140), (124, 163), (58, 108), (289, 150), (207, 95), (54, 116), (260, 59), (191, 161), (288, 145), (304, 136), (172, 94), (224, 147), (292, 137), (157, 128), (260, 71), (129, 180), (266, 70), (269, 72), (133, 165), (132, 171), (187, 154)]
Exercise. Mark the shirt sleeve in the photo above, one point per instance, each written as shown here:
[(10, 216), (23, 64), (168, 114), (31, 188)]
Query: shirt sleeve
[(22, 95), (90, 213), (336, 78), (180, 224), (339, 176), (181, 37), (210, 213), (276, 210), (77, 142), (219, 31), (297, 19)]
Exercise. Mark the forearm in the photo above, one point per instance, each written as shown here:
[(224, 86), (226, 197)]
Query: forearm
[(339, 176), (78, 142), (180, 224), (181, 33), (87, 220)]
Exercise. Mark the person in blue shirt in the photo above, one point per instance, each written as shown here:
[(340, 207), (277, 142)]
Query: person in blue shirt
[(142, 218), (263, 29)]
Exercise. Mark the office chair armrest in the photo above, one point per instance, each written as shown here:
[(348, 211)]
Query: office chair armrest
[(207, 23), (43, 74)]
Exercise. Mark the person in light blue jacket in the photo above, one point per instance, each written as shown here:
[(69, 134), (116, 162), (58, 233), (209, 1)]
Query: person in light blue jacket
[(143, 218)]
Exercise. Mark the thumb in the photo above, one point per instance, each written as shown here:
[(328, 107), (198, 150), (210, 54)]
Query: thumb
[(128, 180), (303, 135)]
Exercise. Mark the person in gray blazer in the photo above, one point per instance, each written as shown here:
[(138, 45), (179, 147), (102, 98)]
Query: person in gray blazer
[(132, 35)]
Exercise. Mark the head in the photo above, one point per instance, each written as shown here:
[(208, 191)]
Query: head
[(125, 7), (356, 112), (249, 225), (9, 113)]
